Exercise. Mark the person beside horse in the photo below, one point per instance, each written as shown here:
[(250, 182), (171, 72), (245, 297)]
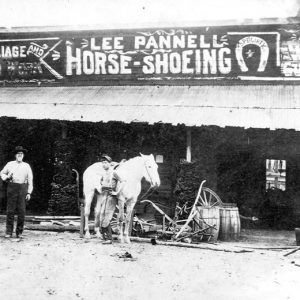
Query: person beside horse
[(97, 182), (108, 203), (130, 174), (124, 182)]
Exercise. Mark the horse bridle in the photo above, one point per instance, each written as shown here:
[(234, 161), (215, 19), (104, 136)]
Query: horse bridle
[(152, 187), (151, 181)]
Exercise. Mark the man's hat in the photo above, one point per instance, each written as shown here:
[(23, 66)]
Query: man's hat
[(20, 149), (106, 157)]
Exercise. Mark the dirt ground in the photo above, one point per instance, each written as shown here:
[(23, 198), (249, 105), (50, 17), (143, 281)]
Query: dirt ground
[(50, 265)]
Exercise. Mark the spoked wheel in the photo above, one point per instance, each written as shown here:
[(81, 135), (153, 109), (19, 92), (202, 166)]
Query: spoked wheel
[(209, 198)]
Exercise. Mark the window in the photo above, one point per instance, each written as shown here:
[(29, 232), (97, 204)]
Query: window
[(159, 159), (275, 174)]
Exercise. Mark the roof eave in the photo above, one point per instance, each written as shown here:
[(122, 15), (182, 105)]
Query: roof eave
[(191, 23)]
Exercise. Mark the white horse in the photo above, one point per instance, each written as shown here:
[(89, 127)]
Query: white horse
[(130, 174), (92, 187)]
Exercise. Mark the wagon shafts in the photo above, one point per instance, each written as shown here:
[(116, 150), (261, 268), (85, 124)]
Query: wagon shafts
[(198, 232), (160, 211), (208, 225), (193, 211), (194, 223)]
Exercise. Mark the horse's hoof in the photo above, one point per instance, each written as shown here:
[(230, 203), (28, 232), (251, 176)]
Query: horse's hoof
[(127, 241), (87, 236)]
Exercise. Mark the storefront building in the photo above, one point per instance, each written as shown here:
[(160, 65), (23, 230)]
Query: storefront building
[(226, 97)]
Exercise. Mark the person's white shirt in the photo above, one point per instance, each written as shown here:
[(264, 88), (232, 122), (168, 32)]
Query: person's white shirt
[(19, 172)]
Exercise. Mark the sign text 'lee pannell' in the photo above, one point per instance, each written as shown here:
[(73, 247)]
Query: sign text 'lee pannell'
[(162, 54)]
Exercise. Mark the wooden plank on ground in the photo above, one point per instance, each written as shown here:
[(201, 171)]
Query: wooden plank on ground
[(291, 252), (268, 248), (53, 217), (52, 227), (195, 246)]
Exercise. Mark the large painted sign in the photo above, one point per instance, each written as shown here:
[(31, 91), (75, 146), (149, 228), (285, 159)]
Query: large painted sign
[(152, 56)]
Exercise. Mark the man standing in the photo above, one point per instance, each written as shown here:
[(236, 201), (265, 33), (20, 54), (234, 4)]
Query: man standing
[(109, 204), (18, 175)]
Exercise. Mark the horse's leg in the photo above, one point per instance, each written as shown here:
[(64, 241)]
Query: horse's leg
[(97, 215), (120, 221), (129, 209), (87, 208)]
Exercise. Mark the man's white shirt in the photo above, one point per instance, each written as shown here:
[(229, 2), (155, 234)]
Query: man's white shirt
[(21, 173)]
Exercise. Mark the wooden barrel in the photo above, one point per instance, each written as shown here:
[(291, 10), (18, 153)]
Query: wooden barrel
[(208, 217), (230, 224)]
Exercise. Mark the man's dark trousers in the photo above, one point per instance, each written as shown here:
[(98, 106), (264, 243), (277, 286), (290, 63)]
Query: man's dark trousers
[(16, 194)]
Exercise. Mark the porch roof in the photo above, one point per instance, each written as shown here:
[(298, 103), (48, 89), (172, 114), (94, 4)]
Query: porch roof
[(257, 106)]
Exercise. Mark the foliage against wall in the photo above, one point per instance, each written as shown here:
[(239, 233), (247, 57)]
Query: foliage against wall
[(86, 142)]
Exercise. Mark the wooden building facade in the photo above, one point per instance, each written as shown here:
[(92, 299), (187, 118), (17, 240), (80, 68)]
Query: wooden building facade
[(225, 97)]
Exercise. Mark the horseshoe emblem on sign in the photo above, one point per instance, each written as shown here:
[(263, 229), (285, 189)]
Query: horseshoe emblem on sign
[(264, 52)]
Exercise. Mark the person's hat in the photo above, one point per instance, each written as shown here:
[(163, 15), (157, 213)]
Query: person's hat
[(106, 157), (20, 149)]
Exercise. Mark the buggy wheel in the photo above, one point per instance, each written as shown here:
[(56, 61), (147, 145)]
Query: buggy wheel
[(209, 198)]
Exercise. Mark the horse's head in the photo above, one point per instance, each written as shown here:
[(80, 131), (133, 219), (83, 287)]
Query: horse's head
[(151, 172)]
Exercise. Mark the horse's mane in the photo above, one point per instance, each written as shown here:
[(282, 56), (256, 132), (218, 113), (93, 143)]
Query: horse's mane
[(129, 167), (130, 162)]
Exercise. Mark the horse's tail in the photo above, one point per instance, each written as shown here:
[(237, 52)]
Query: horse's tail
[(120, 187), (77, 188), (98, 188)]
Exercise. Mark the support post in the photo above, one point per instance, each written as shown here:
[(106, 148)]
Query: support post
[(188, 144), (82, 223), (64, 131)]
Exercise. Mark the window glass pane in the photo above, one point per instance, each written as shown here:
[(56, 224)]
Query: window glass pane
[(275, 174)]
